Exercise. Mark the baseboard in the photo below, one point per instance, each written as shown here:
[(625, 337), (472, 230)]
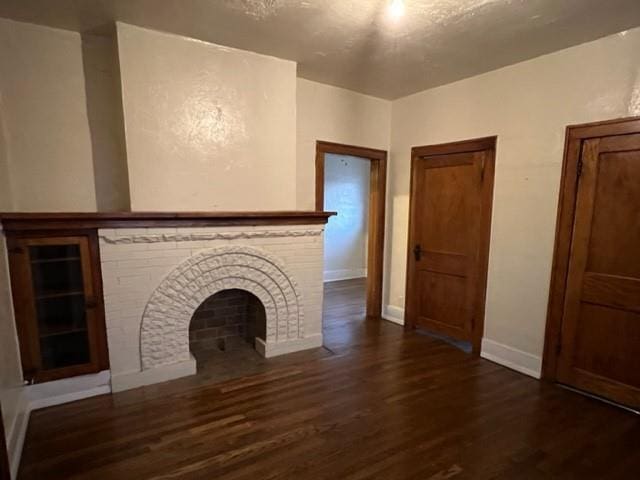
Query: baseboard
[(393, 314), (512, 358), (346, 274), (162, 373), (67, 390), (16, 434), (269, 350), (42, 395)]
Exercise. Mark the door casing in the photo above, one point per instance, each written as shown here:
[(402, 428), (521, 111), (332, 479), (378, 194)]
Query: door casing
[(376, 221)]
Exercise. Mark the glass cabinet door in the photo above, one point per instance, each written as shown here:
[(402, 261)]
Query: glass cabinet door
[(60, 304), (58, 312)]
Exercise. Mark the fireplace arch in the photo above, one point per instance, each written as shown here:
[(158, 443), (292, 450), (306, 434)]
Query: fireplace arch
[(164, 335)]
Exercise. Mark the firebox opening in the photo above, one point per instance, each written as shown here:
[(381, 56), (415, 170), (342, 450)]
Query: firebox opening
[(228, 321)]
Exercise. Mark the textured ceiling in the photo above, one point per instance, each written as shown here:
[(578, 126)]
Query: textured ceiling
[(354, 44)]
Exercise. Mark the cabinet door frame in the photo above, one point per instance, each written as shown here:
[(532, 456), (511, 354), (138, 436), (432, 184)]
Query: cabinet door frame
[(576, 136), (24, 307)]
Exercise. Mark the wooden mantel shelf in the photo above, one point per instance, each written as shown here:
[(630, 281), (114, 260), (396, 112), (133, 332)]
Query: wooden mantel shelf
[(55, 221)]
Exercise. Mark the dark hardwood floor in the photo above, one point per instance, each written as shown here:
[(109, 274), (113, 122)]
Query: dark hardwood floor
[(385, 404)]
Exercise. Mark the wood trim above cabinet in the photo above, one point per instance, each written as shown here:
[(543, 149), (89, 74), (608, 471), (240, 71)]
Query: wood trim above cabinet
[(17, 222)]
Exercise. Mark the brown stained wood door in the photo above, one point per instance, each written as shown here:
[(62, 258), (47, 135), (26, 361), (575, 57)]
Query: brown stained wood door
[(600, 336), (448, 244)]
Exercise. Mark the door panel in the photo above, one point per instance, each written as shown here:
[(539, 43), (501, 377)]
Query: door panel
[(600, 336), (448, 207)]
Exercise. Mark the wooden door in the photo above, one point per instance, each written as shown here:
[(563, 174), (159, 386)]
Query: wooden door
[(599, 350), (450, 215), (58, 306)]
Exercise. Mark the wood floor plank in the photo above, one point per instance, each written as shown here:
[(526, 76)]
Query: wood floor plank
[(378, 402)]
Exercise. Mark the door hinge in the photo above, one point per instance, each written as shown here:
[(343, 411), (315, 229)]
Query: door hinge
[(579, 170)]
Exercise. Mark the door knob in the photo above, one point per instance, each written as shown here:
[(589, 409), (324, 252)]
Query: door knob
[(417, 252)]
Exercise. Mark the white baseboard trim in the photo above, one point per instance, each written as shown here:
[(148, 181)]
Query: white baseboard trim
[(16, 433), (393, 314), (162, 373), (42, 395), (69, 397), (512, 358), (67, 390), (346, 274), (269, 350)]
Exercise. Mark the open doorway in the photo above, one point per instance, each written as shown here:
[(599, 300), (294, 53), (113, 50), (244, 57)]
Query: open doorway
[(356, 190)]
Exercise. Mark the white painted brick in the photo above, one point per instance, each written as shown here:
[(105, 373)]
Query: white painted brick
[(133, 271)]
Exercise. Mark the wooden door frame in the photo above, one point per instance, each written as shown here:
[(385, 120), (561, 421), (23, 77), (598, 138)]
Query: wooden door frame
[(464, 146), (376, 223), (574, 139)]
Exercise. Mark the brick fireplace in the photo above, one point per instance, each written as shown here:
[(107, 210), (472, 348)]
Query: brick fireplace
[(157, 281), (147, 275)]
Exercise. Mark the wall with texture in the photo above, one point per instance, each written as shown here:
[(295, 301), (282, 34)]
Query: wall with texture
[(528, 106), (6, 197), (334, 115), (346, 191), (207, 127), (44, 112), (12, 397)]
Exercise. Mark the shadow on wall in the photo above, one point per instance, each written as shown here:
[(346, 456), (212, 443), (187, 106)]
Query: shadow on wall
[(106, 121)]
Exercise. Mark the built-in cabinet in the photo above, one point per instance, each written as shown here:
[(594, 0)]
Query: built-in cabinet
[(58, 305)]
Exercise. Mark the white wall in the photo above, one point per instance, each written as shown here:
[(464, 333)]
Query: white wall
[(12, 397), (43, 105), (335, 115), (6, 197), (207, 127), (106, 122), (528, 106), (346, 191)]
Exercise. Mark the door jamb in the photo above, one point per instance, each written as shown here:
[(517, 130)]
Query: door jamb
[(574, 139), (376, 223), (464, 146)]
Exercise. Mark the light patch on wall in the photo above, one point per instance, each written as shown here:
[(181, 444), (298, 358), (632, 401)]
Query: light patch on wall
[(396, 9), (634, 100), (208, 119), (258, 9)]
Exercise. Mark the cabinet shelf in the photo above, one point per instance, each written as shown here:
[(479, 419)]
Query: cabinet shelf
[(67, 331), (55, 260), (46, 296)]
